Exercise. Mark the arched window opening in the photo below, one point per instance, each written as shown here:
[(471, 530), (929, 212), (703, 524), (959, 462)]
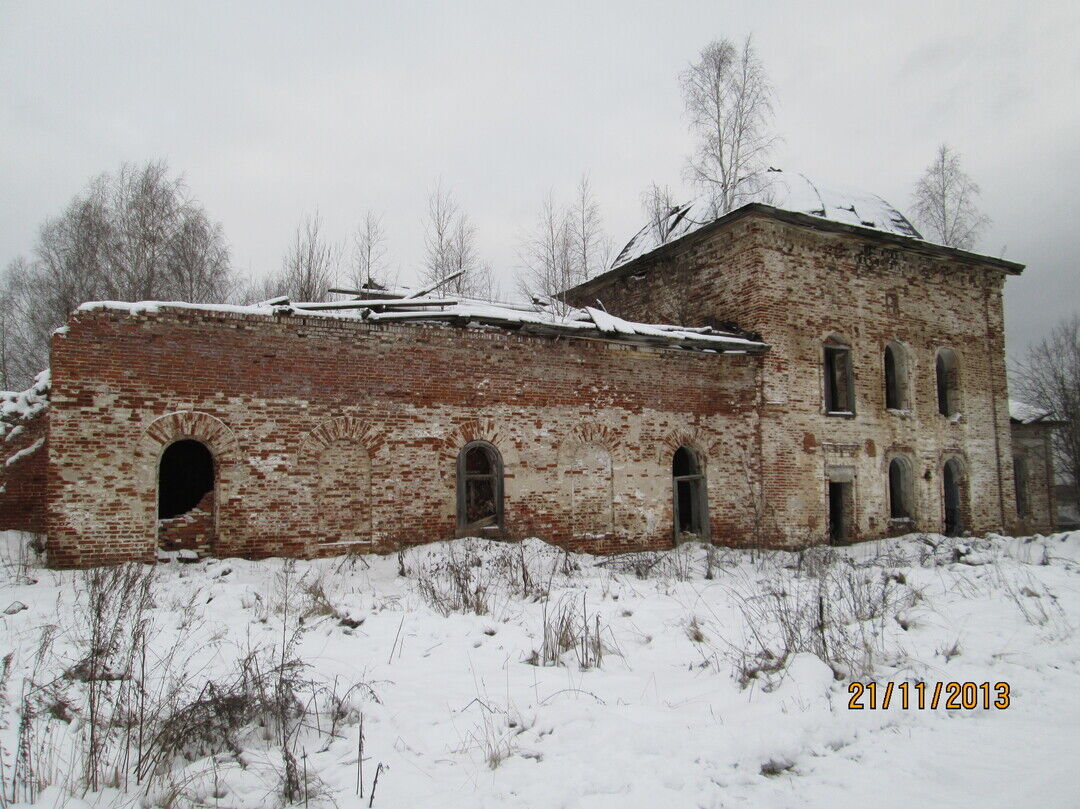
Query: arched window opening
[(951, 481), (839, 380), (1020, 481), (900, 490), (480, 488), (896, 394), (185, 478), (947, 374), (691, 515)]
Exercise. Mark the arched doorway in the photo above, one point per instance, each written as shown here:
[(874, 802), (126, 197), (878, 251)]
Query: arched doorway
[(690, 510), (952, 495), (186, 496)]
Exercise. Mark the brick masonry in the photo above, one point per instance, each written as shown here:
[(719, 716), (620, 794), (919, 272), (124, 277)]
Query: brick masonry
[(798, 286), (24, 450), (330, 435)]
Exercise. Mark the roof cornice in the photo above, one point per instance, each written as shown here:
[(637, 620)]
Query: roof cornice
[(812, 222)]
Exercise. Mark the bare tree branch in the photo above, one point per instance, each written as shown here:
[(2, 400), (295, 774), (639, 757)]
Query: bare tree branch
[(658, 204), (729, 102), (310, 265), (369, 252), (944, 202), (450, 241), (135, 235)]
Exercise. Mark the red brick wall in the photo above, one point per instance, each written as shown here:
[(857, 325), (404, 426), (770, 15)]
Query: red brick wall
[(283, 402), (23, 474), (796, 286)]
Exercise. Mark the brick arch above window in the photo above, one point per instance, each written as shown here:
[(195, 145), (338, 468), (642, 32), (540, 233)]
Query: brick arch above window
[(350, 428), (585, 434), (209, 430), (694, 440), (466, 432)]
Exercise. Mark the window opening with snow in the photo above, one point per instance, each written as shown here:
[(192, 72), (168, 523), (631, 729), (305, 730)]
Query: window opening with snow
[(480, 488), (691, 515)]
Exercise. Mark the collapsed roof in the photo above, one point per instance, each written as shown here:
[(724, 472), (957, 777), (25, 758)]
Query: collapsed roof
[(789, 191), (543, 317)]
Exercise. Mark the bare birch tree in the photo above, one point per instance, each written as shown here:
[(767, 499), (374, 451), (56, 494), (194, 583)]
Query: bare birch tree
[(310, 264), (369, 262), (134, 235), (592, 251), (944, 202), (1049, 379), (565, 247), (729, 101), (549, 256), (450, 242)]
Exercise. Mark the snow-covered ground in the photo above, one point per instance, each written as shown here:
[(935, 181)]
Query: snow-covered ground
[(488, 674)]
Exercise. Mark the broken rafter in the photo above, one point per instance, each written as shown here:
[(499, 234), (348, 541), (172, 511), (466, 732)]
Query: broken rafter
[(373, 304), (368, 293), (432, 287)]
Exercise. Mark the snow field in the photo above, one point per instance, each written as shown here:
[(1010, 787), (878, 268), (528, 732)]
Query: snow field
[(496, 674)]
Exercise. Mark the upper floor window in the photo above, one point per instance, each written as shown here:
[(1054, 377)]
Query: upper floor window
[(839, 380), (896, 389), (947, 373)]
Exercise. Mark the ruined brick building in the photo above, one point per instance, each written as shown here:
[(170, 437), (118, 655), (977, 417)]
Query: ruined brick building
[(832, 377)]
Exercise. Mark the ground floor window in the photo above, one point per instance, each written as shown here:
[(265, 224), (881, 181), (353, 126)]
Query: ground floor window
[(900, 490), (480, 488), (690, 510), (953, 497)]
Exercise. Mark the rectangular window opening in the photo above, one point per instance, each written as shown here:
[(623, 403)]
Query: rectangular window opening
[(839, 397)]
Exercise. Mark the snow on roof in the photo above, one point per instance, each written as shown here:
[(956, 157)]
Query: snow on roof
[(1026, 414), (789, 191), (16, 406), (544, 317)]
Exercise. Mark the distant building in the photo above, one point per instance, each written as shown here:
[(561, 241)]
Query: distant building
[(831, 378)]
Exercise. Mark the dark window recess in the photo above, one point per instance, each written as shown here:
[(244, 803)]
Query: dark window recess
[(185, 475), (899, 488), (839, 396), (895, 398), (479, 488), (691, 517), (950, 483), (841, 511), (1021, 483), (947, 375)]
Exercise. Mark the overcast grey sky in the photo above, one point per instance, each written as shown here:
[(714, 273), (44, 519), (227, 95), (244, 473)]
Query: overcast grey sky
[(274, 110)]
